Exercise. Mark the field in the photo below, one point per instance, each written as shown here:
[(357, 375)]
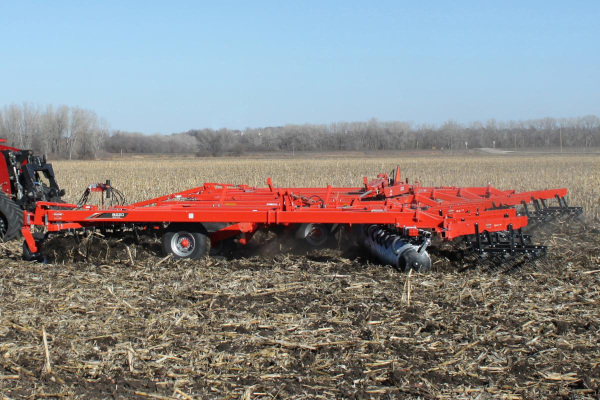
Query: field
[(112, 319)]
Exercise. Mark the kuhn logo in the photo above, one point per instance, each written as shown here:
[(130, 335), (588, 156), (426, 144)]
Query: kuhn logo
[(57, 214)]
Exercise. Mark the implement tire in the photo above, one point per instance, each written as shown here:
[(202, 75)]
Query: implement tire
[(316, 235), (11, 218), (186, 241), (224, 249)]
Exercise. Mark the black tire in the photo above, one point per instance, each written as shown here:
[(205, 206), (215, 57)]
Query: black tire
[(225, 248), (314, 234), (186, 241), (11, 218), (29, 256)]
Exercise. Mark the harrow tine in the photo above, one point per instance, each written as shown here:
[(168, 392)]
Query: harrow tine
[(526, 208), (507, 243)]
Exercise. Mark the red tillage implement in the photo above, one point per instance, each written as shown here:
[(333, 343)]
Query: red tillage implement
[(395, 220)]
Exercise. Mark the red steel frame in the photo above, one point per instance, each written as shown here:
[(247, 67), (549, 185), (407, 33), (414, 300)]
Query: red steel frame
[(4, 174), (447, 211)]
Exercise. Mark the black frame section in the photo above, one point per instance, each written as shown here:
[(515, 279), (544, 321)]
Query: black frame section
[(543, 213), (506, 242), (27, 178)]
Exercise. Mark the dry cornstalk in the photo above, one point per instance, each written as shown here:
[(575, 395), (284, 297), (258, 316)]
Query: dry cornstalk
[(247, 395), (110, 290), (164, 259), (407, 289), (47, 367), (185, 396), (130, 360), (130, 256), (153, 396)]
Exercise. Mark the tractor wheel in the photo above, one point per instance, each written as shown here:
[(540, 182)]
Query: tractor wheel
[(185, 242), (11, 218)]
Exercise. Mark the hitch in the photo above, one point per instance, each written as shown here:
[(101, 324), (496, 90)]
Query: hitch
[(107, 191)]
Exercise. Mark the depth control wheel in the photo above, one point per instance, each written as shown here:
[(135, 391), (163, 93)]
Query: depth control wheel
[(185, 242), (29, 256)]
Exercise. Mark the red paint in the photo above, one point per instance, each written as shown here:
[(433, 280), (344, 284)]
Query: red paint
[(449, 212)]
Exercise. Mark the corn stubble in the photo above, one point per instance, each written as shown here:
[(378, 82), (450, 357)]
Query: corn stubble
[(125, 322)]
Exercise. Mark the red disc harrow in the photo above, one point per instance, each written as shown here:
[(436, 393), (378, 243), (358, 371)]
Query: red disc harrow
[(395, 220)]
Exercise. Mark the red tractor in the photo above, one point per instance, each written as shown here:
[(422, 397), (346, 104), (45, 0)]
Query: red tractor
[(25, 179)]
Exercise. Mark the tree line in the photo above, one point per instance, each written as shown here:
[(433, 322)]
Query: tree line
[(66, 132), (72, 132), (370, 136)]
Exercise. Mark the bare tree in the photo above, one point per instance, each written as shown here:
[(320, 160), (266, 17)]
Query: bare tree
[(30, 127), (13, 118), (80, 124), (100, 135), (76, 132)]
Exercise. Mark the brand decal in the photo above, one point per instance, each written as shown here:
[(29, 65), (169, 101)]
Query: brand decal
[(115, 215)]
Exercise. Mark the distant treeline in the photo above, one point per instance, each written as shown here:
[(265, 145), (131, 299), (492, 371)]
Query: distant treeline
[(68, 132), (370, 135), (72, 132)]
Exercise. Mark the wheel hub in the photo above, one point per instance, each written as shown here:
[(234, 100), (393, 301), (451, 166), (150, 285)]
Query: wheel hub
[(316, 234), (183, 244)]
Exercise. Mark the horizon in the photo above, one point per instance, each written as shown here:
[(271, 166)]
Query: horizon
[(411, 124), (154, 68)]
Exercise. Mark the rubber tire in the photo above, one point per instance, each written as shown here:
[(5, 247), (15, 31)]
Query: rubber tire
[(29, 256), (303, 233), (225, 249), (201, 241), (12, 216)]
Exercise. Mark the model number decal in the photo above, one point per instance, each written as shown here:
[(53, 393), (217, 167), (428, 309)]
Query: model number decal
[(116, 215)]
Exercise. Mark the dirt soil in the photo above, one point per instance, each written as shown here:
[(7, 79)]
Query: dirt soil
[(112, 319)]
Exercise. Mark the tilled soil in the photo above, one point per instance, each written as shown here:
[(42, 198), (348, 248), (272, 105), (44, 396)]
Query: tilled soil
[(121, 321)]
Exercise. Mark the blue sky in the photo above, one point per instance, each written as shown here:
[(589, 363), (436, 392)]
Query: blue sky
[(165, 67)]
